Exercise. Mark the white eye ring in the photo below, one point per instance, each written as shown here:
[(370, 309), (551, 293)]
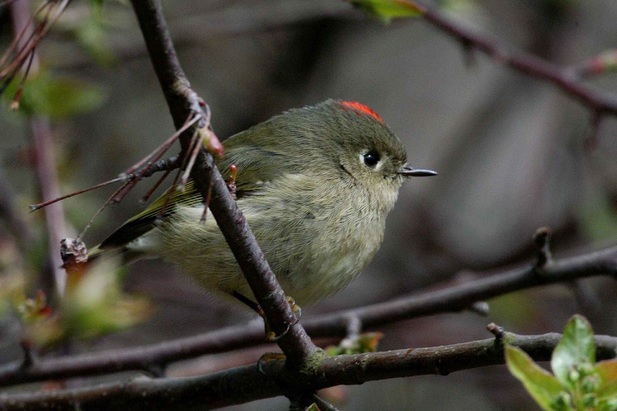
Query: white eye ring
[(371, 158)]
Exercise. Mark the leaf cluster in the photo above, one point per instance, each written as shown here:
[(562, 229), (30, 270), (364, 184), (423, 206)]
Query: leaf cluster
[(578, 382)]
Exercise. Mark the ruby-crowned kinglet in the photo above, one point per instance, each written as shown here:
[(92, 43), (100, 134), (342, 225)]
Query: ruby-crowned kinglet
[(315, 185)]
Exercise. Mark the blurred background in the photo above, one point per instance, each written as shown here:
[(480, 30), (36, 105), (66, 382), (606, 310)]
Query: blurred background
[(513, 154)]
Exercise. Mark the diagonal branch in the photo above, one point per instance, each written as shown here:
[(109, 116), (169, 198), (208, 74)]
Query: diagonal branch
[(462, 297), (565, 79), (184, 102)]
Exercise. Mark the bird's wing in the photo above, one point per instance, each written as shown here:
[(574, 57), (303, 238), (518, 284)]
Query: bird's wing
[(146, 220), (256, 166), (257, 161)]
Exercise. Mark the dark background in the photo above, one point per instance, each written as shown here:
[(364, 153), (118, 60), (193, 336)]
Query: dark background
[(512, 153)]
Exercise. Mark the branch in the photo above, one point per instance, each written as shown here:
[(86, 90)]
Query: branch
[(272, 378), (566, 79), (43, 140), (184, 103), (462, 297), (136, 358), (454, 298)]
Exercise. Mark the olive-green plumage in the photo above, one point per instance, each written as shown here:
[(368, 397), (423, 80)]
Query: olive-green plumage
[(315, 185)]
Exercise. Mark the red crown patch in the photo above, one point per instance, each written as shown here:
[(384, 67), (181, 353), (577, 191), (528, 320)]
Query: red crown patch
[(361, 108)]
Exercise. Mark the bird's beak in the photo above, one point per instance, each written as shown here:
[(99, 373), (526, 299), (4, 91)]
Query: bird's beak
[(408, 171)]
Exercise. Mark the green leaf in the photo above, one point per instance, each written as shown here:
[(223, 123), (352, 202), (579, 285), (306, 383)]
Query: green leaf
[(608, 373), (94, 303), (575, 354), (57, 96), (96, 5), (91, 31), (93, 37), (541, 385), (386, 10)]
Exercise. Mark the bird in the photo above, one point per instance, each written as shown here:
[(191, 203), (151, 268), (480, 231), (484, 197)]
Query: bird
[(315, 185)]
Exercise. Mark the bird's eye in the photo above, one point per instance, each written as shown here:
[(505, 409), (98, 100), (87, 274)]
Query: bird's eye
[(371, 158)]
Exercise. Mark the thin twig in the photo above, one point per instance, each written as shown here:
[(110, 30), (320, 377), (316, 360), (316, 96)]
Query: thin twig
[(34, 207)]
